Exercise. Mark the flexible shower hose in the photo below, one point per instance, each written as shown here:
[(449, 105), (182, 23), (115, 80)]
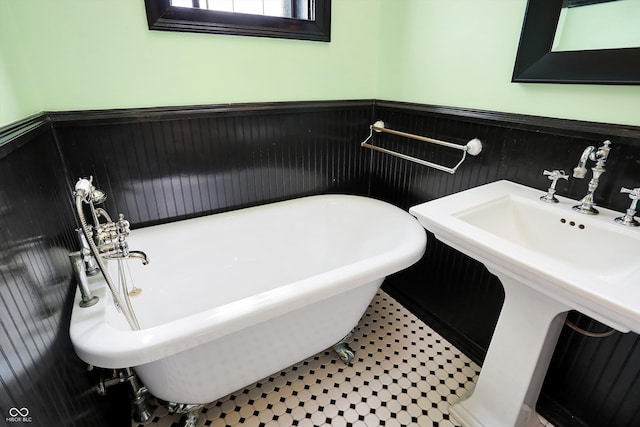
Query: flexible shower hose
[(128, 314)]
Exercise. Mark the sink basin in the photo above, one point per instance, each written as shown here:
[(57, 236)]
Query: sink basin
[(588, 262), (549, 259), (553, 231)]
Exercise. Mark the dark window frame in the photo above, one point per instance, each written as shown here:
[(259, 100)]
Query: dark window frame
[(164, 17)]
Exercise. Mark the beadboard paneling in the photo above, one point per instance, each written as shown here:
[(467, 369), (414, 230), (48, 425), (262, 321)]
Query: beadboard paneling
[(38, 368), (163, 170)]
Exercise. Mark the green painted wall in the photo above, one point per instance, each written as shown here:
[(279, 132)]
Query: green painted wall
[(461, 53), (100, 54), (77, 54), (18, 93)]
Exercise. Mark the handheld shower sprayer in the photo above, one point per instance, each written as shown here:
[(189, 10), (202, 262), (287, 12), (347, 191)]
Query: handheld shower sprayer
[(89, 193)]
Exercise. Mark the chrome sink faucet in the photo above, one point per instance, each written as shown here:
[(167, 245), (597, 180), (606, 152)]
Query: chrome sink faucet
[(599, 156)]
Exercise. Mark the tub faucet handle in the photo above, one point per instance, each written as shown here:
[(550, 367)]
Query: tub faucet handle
[(554, 176), (628, 219)]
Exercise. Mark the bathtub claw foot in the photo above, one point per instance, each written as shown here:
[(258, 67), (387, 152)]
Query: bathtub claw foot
[(190, 413), (345, 353), (190, 419)]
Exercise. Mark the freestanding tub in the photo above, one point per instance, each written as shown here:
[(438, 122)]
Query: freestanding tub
[(231, 298)]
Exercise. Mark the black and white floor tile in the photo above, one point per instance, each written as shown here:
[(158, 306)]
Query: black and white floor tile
[(404, 374)]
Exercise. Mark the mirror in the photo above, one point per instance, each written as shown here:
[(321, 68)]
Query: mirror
[(600, 24), (290, 19), (544, 57)]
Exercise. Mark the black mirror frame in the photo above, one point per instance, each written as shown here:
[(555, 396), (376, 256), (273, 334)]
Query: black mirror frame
[(536, 63), (164, 17)]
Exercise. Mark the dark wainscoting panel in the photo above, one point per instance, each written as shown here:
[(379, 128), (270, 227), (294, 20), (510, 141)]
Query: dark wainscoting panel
[(39, 370), (594, 382), (157, 170)]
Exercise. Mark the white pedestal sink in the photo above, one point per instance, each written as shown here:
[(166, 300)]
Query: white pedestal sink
[(550, 259)]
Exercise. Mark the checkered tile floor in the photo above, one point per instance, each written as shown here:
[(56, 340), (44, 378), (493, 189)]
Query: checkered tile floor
[(404, 374)]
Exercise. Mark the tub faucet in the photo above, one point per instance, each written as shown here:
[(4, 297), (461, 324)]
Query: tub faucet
[(139, 254), (101, 240), (598, 155)]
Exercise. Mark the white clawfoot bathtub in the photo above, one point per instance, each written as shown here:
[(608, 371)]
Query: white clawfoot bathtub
[(231, 298)]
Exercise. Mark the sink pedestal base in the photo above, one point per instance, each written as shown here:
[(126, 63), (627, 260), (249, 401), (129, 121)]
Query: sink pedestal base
[(511, 377)]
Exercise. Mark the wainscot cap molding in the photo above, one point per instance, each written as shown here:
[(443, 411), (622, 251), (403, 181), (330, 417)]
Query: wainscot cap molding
[(567, 127), (16, 134), (61, 118)]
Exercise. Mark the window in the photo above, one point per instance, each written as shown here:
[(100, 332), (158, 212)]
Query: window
[(292, 19), (298, 9)]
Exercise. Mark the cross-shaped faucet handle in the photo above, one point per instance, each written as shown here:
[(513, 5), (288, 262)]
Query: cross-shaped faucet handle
[(554, 176), (628, 219)]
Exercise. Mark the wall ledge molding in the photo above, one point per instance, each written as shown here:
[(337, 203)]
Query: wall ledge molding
[(16, 134), (62, 118), (568, 127)]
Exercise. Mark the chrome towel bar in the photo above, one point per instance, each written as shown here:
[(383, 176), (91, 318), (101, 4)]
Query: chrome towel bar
[(473, 147)]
